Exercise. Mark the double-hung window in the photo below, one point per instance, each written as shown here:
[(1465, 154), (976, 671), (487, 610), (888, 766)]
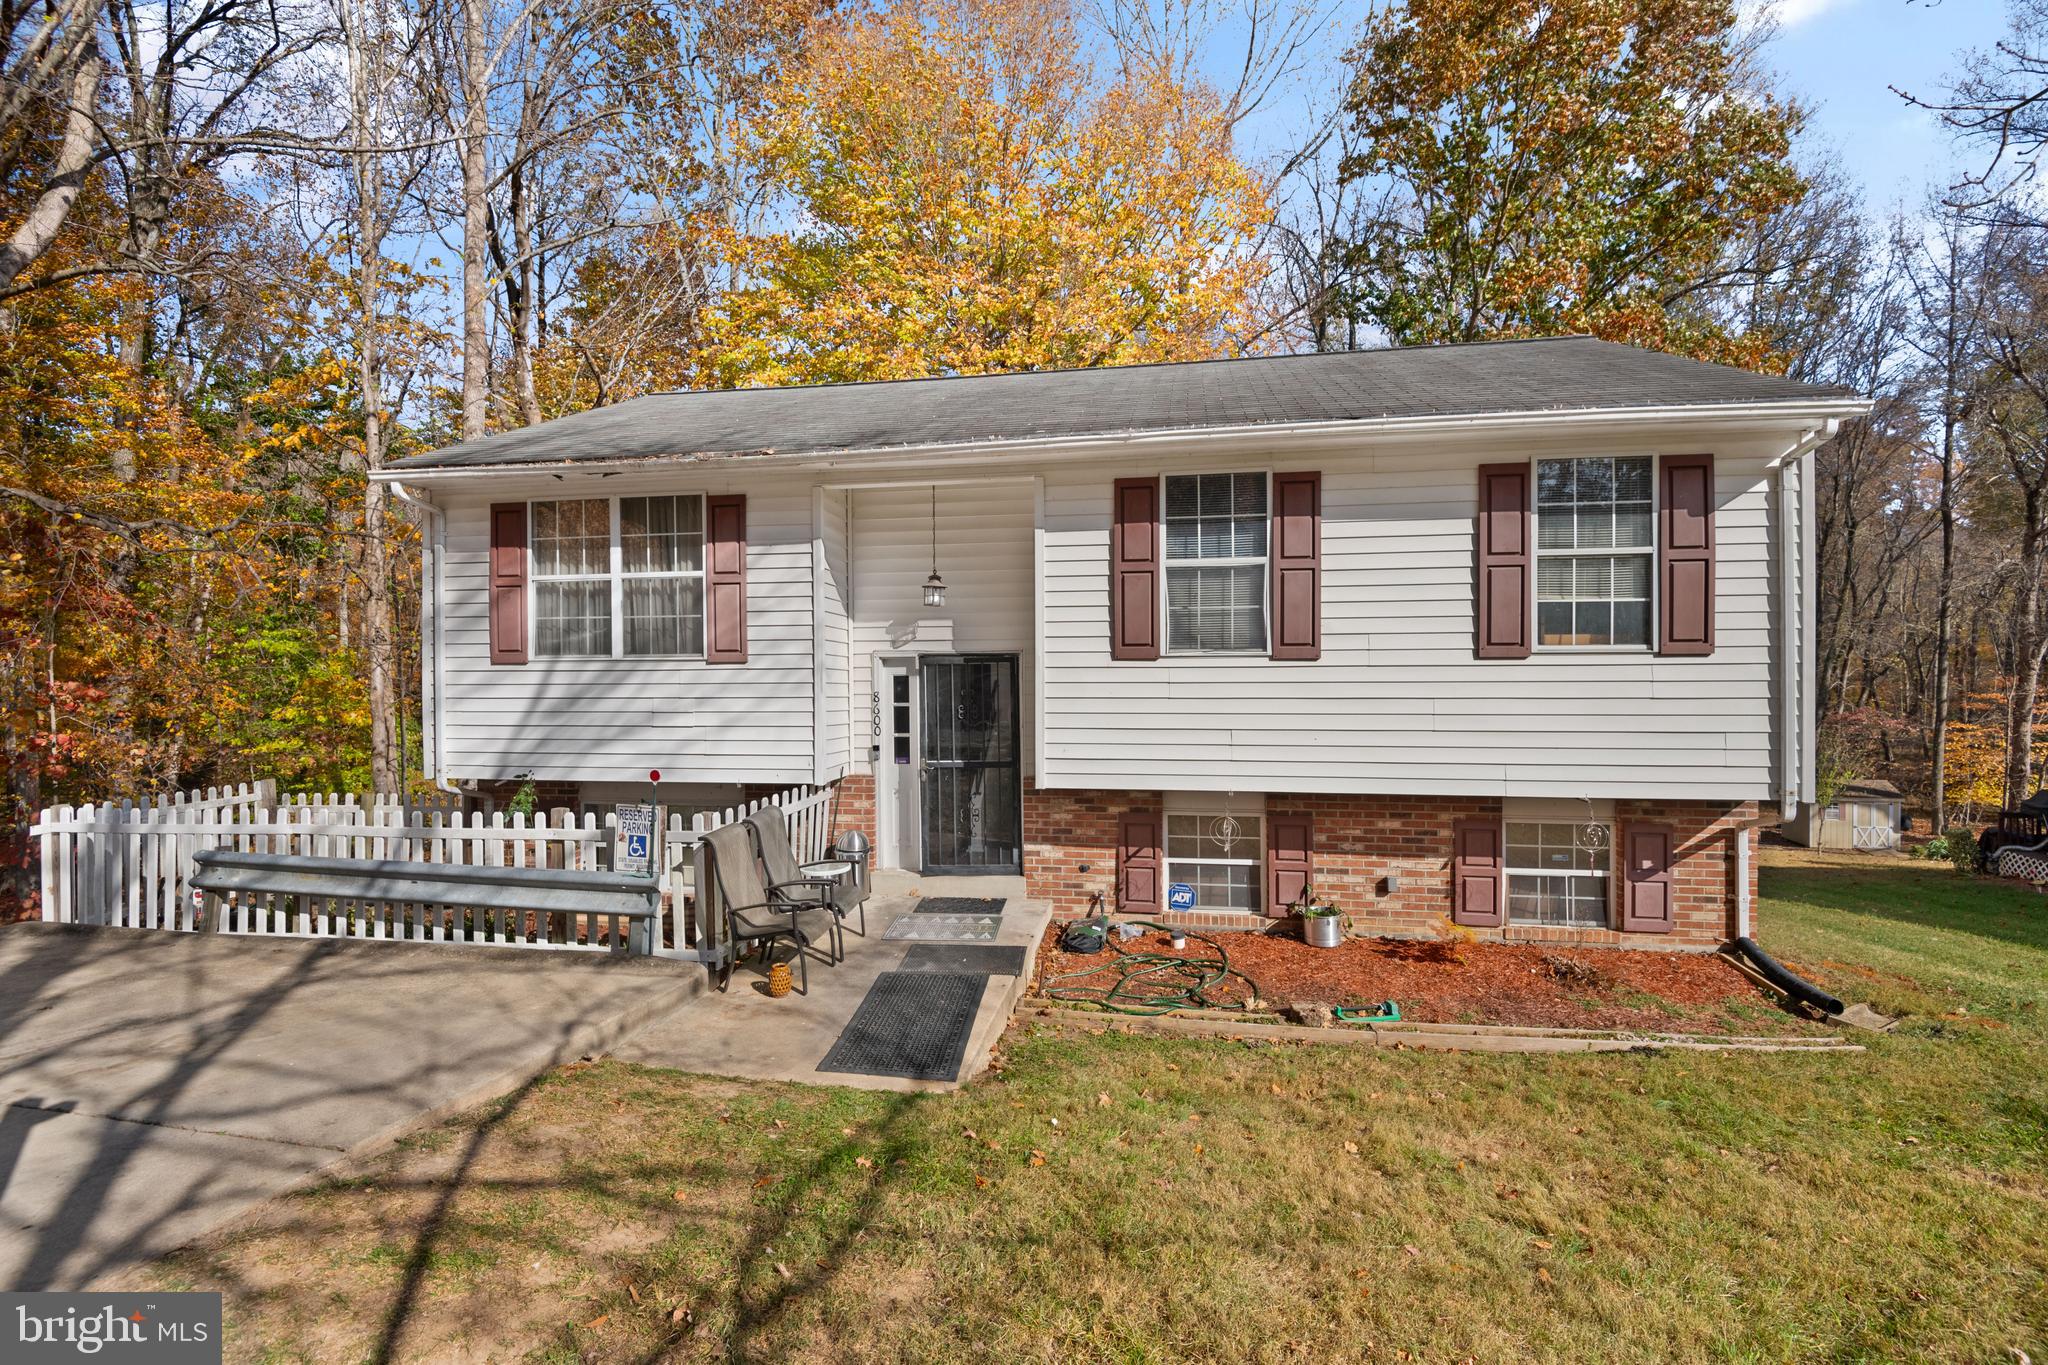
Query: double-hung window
[(572, 578), (1595, 540), (1221, 856), (618, 578), (1558, 873), (1216, 563)]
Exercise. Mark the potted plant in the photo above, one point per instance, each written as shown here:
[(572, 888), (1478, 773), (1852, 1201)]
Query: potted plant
[(1321, 924)]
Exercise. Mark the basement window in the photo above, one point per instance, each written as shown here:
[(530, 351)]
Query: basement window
[(1559, 873), (1221, 855)]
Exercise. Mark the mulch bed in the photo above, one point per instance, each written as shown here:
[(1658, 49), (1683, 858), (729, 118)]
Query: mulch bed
[(1479, 983)]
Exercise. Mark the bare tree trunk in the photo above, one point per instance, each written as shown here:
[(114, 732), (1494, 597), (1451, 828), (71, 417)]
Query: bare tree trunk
[(472, 152), (1944, 615), (521, 286), (2029, 644), (67, 175), (379, 623)]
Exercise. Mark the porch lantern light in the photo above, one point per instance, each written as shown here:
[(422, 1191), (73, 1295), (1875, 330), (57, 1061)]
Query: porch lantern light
[(935, 586)]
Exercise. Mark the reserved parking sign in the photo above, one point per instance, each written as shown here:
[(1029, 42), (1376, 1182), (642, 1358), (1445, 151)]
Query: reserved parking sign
[(633, 845)]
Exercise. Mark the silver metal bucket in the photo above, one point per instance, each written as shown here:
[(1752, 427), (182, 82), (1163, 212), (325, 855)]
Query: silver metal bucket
[(1322, 931)]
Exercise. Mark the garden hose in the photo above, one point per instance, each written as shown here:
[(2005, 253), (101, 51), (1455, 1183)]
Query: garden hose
[(1154, 983)]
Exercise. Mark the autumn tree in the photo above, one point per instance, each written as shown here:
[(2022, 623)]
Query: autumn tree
[(963, 194), (2009, 424), (1564, 166)]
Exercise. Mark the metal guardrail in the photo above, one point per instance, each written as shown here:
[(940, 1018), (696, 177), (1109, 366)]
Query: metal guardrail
[(285, 894)]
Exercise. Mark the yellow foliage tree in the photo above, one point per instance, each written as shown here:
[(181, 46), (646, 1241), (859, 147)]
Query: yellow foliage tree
[(1975, 772), (965, 196)]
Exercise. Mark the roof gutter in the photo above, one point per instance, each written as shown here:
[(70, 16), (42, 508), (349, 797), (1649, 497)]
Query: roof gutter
[(1803, 412)]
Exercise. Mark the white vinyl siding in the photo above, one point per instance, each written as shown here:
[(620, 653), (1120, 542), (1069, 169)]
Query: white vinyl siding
[(612, 719), (985, 558), (1397, 703), (833, 592)]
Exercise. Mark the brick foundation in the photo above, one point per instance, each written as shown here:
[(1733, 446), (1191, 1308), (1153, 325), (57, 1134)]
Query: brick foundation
[(1070, 848), (547, 796), (853, 806)]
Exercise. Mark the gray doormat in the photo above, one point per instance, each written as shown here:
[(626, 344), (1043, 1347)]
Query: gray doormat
[(960, 905), (912, 1024), (946, 928), (988, 959)]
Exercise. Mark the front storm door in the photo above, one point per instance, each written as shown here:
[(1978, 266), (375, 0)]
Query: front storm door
[(973, 815)]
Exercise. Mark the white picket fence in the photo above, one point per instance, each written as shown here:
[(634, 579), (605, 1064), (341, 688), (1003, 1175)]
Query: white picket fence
[(129, 864)]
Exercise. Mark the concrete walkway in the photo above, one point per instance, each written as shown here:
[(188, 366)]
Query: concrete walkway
[(746, 1033), (152, 1085)]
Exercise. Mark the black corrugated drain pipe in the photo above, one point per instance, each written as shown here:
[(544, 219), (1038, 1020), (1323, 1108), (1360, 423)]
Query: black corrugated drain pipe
[(1797, 987)]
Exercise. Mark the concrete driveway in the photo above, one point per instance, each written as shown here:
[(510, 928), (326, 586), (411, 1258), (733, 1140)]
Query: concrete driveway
[(153, 1085)]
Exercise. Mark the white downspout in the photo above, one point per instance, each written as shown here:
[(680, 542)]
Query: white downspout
[(433, 545), (1742, 881), (1796, 710)]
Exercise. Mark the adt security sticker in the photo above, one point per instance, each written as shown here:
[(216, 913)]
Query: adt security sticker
[(1180, 896)]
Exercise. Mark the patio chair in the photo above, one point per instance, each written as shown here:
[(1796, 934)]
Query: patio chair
[(755, 916), (841, 893)]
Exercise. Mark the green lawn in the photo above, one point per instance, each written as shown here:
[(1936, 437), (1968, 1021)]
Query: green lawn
[(1119, 1198)]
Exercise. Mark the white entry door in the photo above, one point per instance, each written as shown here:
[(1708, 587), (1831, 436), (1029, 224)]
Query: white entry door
[(900, 743)]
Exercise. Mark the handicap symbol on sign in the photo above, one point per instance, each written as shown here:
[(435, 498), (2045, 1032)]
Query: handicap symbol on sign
[(636, 846), (1180, 896)]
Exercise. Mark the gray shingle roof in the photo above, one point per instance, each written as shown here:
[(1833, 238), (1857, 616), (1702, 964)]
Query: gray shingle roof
[(1560, 374)]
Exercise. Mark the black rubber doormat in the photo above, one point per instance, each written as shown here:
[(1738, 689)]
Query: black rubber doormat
[(960, 905), (988, 959), (912, 1024)]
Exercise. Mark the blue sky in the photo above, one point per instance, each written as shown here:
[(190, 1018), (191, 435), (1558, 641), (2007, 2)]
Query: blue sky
[(1842, 56), (1839, 57)]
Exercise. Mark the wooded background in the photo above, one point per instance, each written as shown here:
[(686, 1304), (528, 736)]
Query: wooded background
[(256, 248)]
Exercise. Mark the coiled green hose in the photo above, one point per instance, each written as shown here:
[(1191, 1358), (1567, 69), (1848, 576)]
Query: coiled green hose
[(1154, 983)]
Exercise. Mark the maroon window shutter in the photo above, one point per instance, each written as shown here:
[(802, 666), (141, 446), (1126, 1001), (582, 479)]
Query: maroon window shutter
[(725, 580), (1290, 859), (508, 582), (1646, 901), (1501, 544), (1134, 570), (1138, 860), (1476, 873), (1297, 566), (1685, 556)]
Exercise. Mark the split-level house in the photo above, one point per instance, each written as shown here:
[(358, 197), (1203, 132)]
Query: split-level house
[(1515, 635)]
